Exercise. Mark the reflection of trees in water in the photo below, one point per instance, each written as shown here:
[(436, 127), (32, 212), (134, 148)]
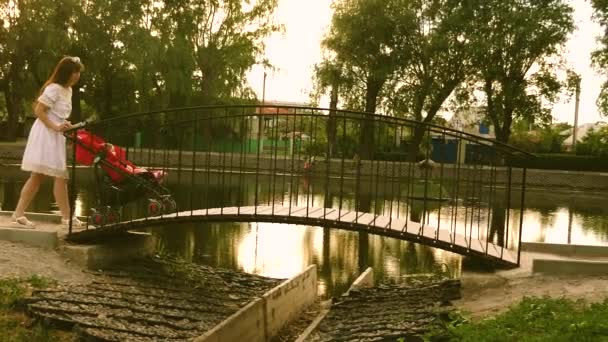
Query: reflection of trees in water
[(593, 223), (498, 224), (212, 244)]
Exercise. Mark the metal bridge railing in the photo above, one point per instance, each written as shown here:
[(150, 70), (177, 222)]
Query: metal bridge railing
[(174, 163)]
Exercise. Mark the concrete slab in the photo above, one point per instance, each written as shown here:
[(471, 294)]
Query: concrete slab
[(566, 249), (131, 245), (578, 267), (44, 235)]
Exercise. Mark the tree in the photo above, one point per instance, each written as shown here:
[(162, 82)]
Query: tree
[(600, 55), (517, 42), (436, 35), (27, 34), (361, 38), (407, 56), (222, 38)]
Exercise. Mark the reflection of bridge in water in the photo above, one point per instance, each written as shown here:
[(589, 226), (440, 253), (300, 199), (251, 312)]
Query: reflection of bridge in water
[(463, 197)]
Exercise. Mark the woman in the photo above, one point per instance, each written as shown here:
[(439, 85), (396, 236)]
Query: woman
[(45, 152)]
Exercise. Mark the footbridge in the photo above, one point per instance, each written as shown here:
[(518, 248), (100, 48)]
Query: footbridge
[(364, 172)]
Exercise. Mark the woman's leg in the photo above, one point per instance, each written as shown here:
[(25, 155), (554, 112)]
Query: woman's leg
[(28, 192), (60, 190)]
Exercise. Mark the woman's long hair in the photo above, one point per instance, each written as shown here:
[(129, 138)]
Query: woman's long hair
[(63, 71)]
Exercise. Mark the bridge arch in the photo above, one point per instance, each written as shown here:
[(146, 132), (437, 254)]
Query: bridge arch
[(420, 182)]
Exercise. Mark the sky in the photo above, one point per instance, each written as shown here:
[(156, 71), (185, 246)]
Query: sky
[(295, 52)]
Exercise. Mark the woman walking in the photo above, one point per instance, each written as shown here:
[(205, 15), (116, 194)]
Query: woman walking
[(45, 152)]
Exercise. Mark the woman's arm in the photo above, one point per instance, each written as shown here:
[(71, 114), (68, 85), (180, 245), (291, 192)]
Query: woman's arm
[(41, 112)]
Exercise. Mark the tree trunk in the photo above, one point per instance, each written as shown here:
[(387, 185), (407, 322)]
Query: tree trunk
[(366, 138), (13, 114), (331, 122), (414, 146)]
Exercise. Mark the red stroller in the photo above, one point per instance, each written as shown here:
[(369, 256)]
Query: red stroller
[(119, 181)]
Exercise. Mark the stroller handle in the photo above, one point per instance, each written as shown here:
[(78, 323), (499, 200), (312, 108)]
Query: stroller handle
[(76, 126)]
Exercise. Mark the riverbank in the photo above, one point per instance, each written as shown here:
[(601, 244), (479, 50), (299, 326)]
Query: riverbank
[(488, 294), (483, 294)]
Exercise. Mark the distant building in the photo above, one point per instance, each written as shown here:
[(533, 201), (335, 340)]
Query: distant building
[(472, 121), (581, 132)]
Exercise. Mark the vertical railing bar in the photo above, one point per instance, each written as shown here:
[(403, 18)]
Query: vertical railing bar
[(426, 178), (521, 214), (442, 167), (223, 166), (275, 158), (180, 142), (374, 157), (392, 181), (192, 175), (459, 162), (293, 154), (344, 123), (492, 197), (257, 167), (73, 182), (287, 144), (231, 168), (242, 158), (508, 209), (209, 165), (400, 175), (329, 129), (481, 185), (302, 171)]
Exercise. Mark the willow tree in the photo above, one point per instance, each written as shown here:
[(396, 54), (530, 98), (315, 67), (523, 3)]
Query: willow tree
[(518, 43), (223, 39)]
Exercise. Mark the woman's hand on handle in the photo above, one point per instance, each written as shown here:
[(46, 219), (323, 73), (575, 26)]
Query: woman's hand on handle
[(62, 127)]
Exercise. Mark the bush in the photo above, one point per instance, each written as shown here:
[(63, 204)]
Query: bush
[(595, 143), (568, 162)]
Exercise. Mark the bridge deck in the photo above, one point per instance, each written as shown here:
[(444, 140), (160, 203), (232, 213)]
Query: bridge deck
[(344, 219)]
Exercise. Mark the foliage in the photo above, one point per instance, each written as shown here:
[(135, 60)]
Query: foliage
[(139, 55), (405, 57), (547, 139), (517, 44), (599, 57), (594, 143), (533, 319)]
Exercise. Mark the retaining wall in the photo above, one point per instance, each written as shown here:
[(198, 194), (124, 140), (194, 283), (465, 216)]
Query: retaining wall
[(261, 319)]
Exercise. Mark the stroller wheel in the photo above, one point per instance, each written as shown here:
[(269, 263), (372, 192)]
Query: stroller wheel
[(97, 218), (154, 207), (112, 216), (169, 205)]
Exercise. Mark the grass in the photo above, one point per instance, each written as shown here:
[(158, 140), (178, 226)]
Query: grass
[(15, 326), (532, 320)]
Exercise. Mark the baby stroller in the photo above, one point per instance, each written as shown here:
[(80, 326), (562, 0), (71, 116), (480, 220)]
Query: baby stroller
[(119, 181)]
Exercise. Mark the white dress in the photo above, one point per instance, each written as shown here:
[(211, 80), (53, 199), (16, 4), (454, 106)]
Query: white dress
[(45, 150)]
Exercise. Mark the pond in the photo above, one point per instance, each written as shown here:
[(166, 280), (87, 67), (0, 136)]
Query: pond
[(280, 250)]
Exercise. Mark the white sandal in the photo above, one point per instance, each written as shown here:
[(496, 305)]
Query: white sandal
[(23, 221), (76, 223)]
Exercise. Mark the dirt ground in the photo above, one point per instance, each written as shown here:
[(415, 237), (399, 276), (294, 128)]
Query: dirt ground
[(19, 260), (485, 295)]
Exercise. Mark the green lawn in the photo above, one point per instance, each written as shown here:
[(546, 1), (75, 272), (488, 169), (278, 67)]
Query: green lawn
[(533, 320)]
